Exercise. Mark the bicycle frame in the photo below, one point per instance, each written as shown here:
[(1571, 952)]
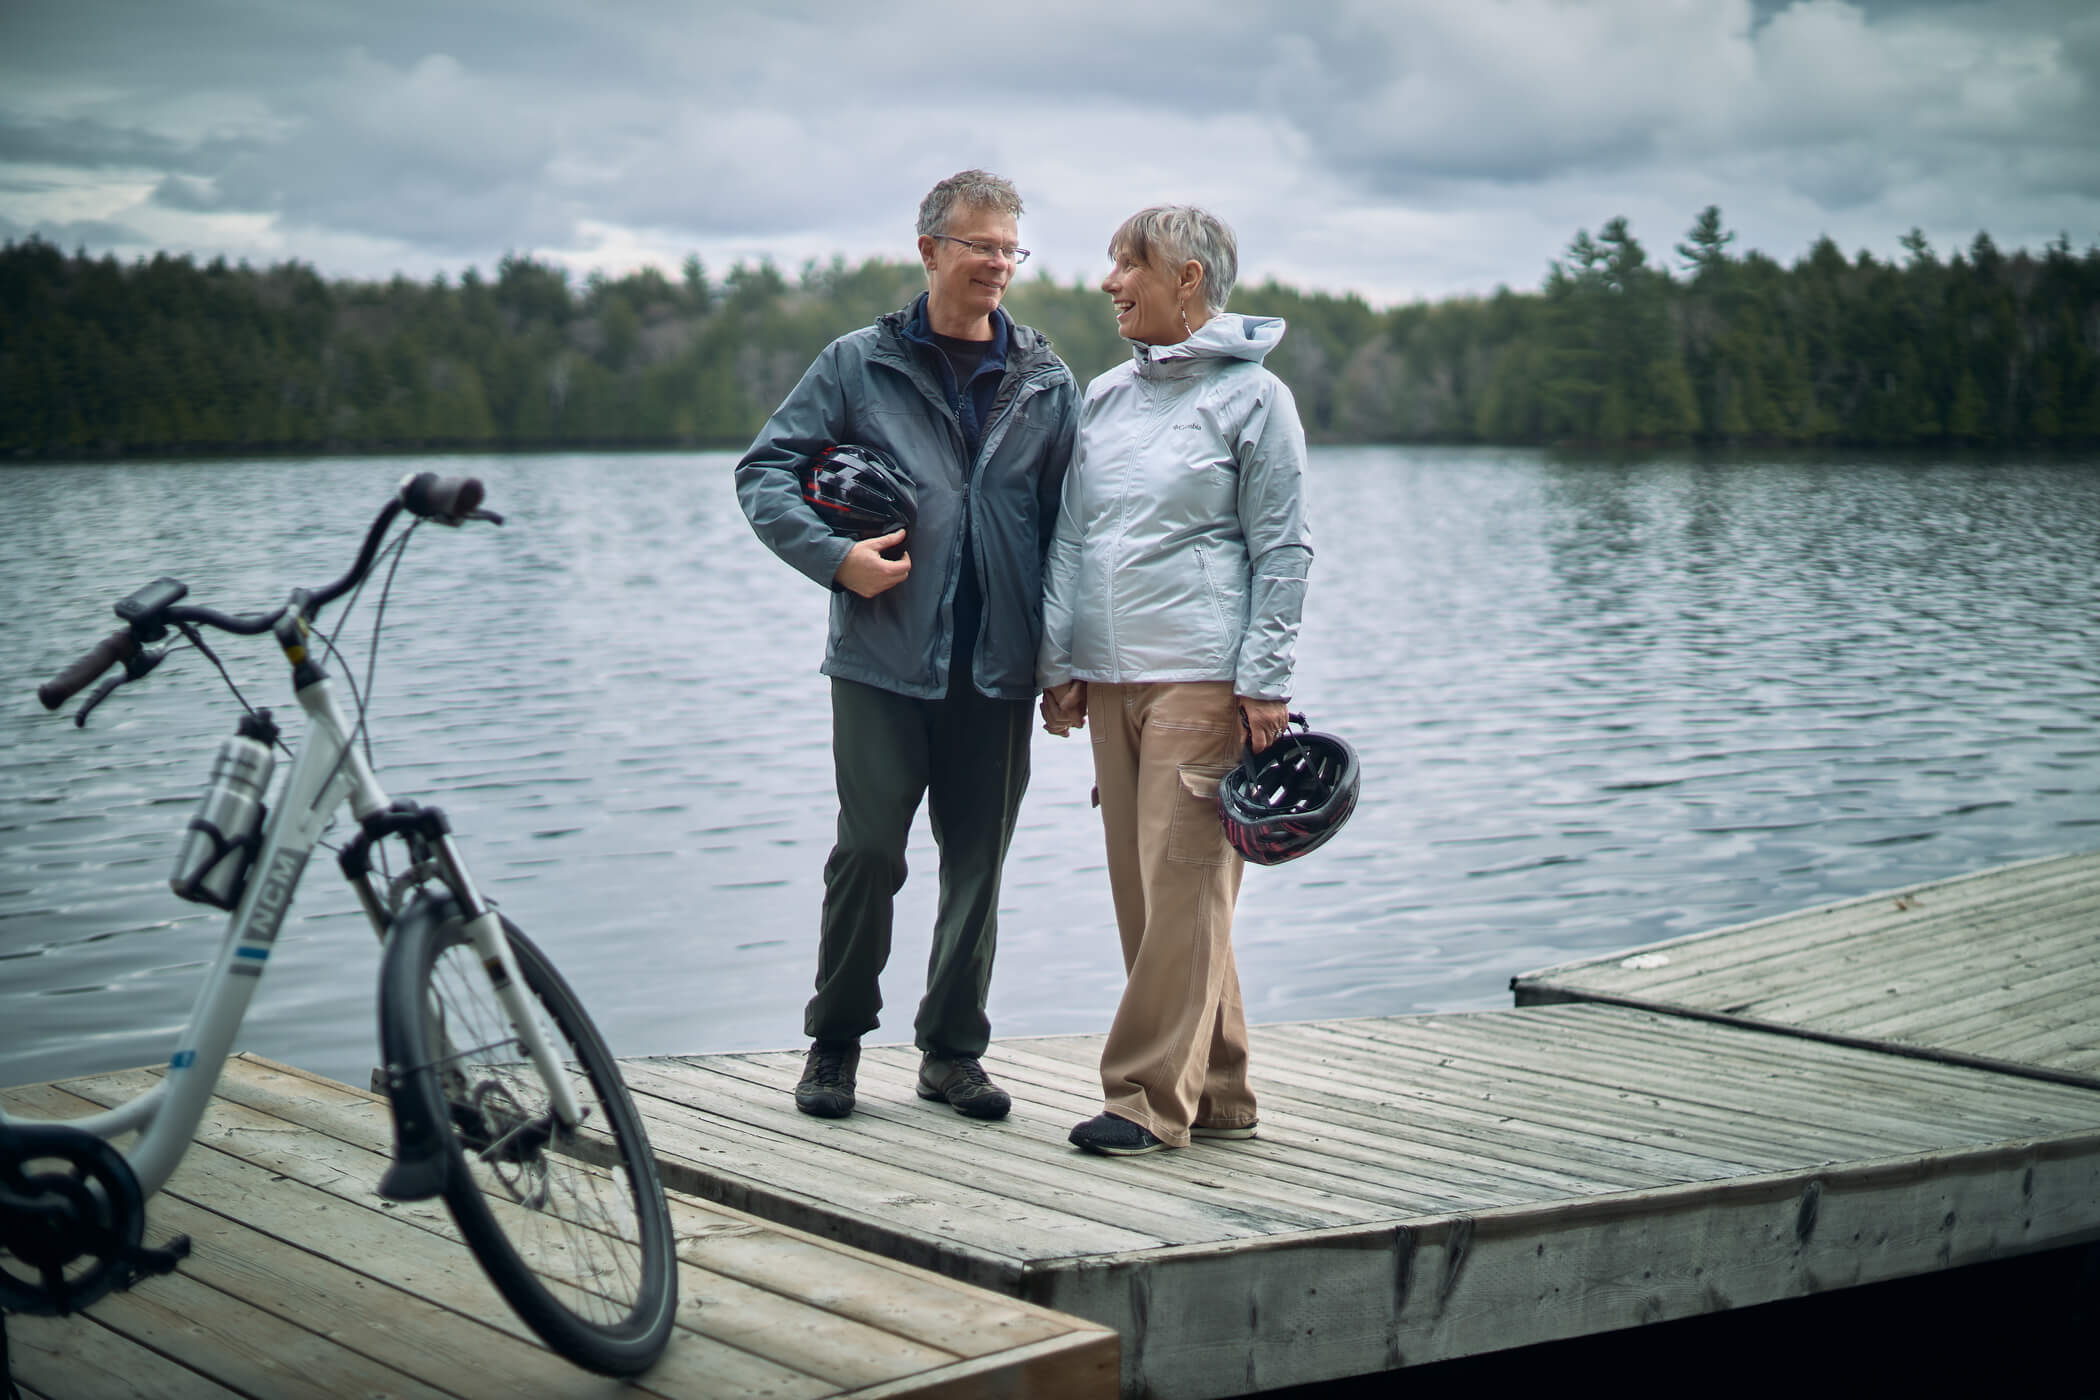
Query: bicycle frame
[(327, 771)]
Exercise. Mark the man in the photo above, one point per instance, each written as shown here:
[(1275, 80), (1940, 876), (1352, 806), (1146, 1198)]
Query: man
[(932, 652)]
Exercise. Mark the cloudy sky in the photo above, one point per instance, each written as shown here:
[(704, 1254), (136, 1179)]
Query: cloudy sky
[(1397, 148)]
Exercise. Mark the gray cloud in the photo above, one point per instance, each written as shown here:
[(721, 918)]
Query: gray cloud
[(96, 235), (1407, 147), (83, 144)]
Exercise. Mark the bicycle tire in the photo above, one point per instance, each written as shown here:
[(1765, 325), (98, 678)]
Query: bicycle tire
[(572, 1229)]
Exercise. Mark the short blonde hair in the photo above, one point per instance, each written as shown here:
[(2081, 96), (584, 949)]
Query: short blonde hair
[(1172, 234)]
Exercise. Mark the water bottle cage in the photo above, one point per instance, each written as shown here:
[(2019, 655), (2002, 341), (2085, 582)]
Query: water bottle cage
[(191, 885)]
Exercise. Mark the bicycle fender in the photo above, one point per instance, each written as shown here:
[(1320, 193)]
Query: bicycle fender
[(422, 1165)]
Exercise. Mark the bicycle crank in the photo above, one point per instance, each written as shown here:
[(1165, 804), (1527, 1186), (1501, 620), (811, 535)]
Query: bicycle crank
[(71, 1220)]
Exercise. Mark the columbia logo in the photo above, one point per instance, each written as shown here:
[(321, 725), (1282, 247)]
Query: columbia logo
[(1186, 428)]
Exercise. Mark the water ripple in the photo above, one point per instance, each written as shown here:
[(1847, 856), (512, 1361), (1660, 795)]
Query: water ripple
[(1597, 703)]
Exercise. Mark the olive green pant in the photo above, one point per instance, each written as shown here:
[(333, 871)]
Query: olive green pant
[(1177, 1051), (968, 756)]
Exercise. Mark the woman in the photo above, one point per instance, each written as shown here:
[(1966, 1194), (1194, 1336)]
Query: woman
[(1172, 598)]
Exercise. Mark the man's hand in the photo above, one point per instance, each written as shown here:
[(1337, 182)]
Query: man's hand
[(867, 573), (1064, 708)]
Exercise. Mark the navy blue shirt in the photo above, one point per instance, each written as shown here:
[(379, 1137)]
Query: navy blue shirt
[(972, 401)]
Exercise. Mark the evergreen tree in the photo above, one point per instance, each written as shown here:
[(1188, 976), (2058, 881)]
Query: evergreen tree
[(1984, 347)]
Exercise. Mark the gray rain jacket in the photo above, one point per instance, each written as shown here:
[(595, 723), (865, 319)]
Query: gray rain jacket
[(1181, 550), (870, 387)]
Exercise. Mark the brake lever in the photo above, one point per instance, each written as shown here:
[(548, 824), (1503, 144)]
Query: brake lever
[(484, 514), (136, 667)]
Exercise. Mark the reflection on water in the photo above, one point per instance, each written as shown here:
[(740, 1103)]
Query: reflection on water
[(1598, 704)]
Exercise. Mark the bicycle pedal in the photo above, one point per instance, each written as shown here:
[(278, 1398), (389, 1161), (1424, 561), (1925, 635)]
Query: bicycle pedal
[(145, 1261)]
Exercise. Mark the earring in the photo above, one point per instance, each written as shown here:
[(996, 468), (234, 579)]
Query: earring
[(1185, 330)]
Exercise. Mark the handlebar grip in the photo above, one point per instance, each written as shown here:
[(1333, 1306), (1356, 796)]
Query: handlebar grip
[(446, 498), (107, 653)]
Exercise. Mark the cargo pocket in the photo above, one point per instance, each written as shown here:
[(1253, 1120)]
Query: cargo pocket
[(1197, 837)]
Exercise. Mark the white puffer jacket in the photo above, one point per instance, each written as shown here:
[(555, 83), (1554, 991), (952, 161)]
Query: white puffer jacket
[(1181, 549)]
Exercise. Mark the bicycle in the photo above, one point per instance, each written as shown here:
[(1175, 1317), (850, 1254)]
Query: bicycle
[(506, 1101)]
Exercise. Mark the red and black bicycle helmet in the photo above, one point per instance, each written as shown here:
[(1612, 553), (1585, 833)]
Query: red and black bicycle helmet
[(1291, 797), (859, 491)]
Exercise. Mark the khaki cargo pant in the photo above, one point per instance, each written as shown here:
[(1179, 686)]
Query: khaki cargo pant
[(1177, 1052)]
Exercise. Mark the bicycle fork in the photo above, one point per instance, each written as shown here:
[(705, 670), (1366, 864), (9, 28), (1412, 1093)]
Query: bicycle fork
[(420, 1160)]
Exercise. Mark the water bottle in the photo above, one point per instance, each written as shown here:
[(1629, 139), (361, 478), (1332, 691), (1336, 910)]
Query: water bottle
[(212, 866)]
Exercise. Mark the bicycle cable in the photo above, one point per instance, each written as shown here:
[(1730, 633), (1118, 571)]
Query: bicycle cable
[(196, 639), (396, 547), (362, 698)]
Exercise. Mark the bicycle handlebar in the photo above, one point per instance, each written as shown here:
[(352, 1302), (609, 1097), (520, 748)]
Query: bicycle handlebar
[(446, 499), (76, 677), (451, 500)]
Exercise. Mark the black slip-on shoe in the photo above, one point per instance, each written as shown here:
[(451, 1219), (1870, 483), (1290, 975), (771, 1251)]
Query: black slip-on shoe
[(1114, 1137), (1224, 1132), (961, 1083), (826, 1089)]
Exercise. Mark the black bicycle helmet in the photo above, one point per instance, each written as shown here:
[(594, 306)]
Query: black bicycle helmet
[(860, 492), (1289, 798)]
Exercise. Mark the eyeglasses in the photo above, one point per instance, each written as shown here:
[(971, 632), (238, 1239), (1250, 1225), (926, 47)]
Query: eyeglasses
[(1011, 254)]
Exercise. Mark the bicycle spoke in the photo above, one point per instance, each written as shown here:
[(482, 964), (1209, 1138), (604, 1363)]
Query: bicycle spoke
[(572, 1222)]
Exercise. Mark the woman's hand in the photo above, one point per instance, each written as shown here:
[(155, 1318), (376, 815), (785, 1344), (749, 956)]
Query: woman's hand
[(1064, 708), (1265, 720)]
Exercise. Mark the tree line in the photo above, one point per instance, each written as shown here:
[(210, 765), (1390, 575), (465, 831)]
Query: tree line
[(1615, 347)]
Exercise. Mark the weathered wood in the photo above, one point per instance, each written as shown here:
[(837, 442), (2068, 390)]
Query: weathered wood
[(1347, 1302), (1991, 969), (1709, 1146), (249, 1349), (2026, 892), (1438, 1167), (1029, 1163), (1590, 1054), (77, 1358), (1423, 1187), (1049, 1370), (297, 1265)]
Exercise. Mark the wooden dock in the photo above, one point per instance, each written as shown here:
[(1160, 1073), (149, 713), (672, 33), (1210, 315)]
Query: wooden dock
[(302, 1283), (1424, 1187), (1872, 1090), (2000, 970)]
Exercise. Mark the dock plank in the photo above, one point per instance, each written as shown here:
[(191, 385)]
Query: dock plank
[(1439, 1169), (1528, 1174), (304, 1282), (1991, 969), (78, 1358), (1030, 1159)]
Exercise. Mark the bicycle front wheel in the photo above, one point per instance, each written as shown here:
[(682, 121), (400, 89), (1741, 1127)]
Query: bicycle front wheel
[(570, 1224)]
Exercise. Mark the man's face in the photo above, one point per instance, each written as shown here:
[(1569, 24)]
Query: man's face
[(960, 279)]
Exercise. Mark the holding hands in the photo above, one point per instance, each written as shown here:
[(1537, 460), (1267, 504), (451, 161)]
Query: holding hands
[(1064, 708)]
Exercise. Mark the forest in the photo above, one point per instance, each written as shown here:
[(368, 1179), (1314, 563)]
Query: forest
[(1616, 347)]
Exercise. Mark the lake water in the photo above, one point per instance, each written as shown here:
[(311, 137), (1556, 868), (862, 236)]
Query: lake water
[(1598, 704)]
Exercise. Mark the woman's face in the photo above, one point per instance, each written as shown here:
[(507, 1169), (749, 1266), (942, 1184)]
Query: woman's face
[(1147, 299)]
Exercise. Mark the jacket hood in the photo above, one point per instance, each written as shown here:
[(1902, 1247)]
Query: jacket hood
[(1225, 336)]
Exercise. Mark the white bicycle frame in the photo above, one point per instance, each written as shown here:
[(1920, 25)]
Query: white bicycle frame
[(327, 771)]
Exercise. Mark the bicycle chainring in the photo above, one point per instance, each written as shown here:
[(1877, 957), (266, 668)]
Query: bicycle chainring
[(71, 1217)]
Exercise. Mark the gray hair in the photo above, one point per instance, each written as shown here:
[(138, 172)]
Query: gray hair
[(1168, 235), (979, 189)]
